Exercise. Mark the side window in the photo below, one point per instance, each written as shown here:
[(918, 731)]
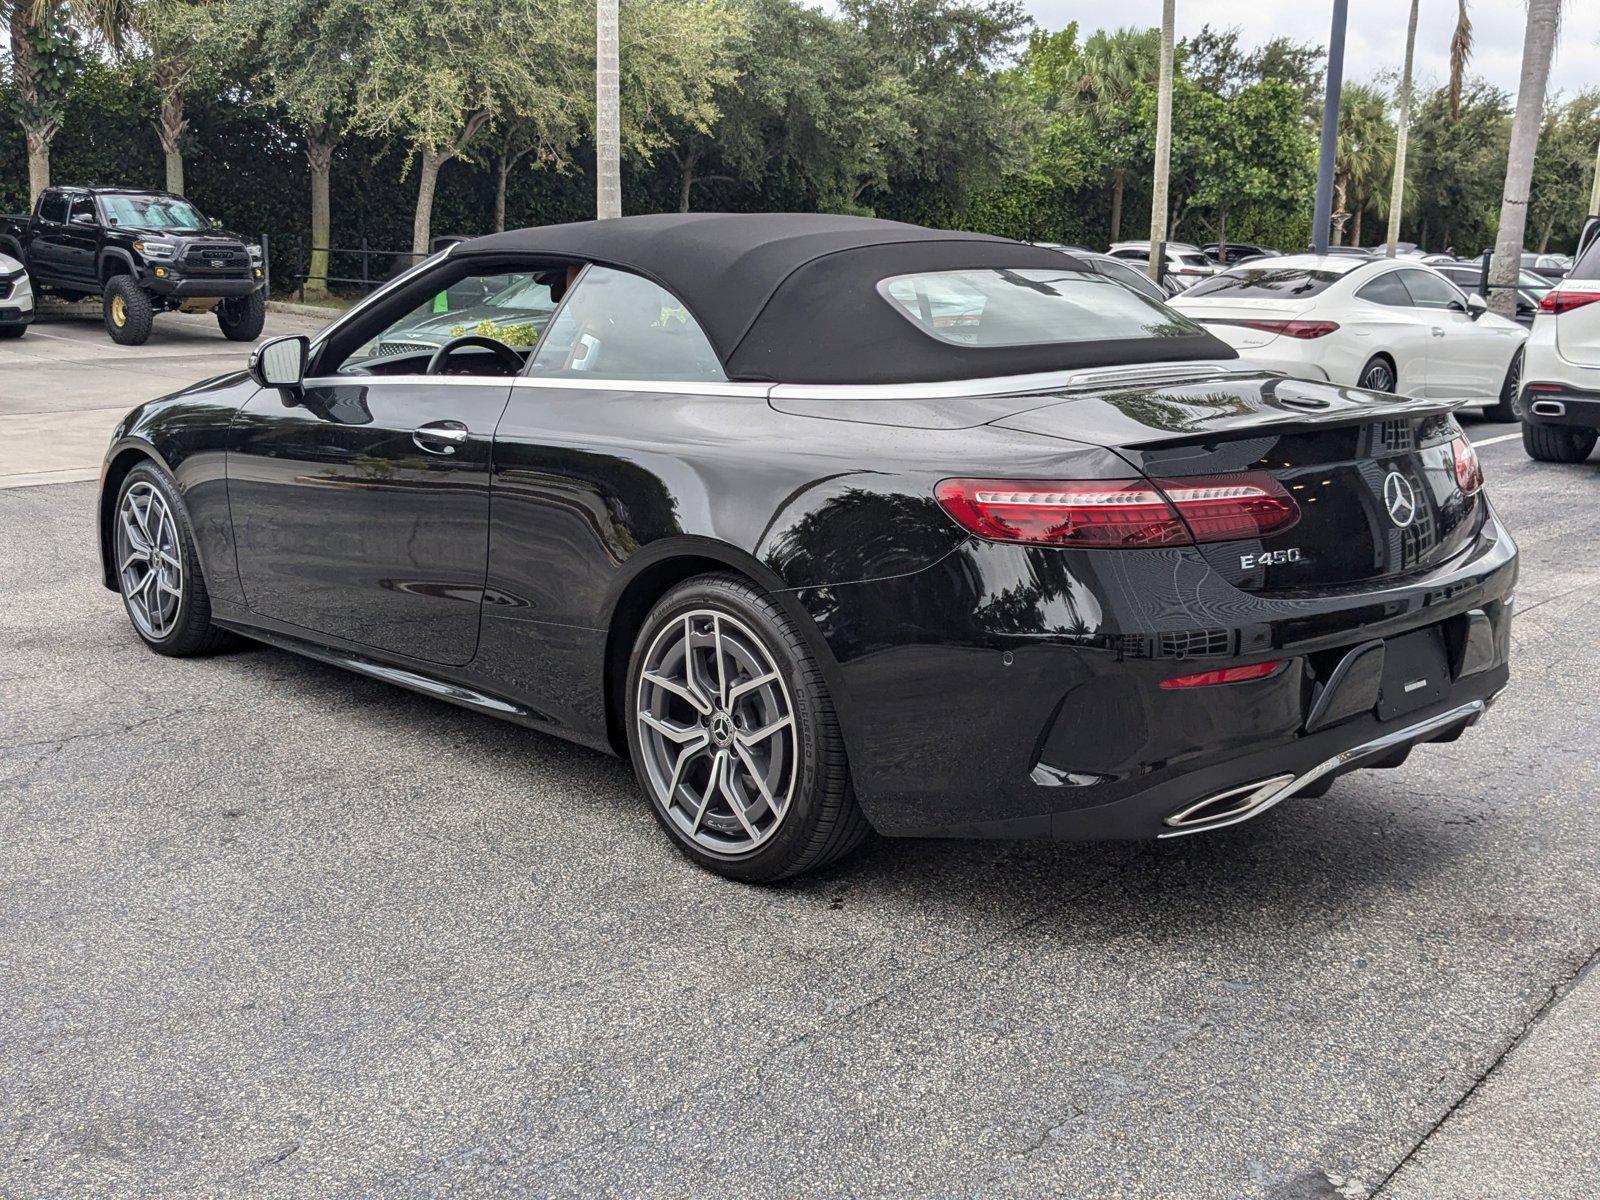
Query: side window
[(512, 308), (1430, 291), (1387, 289), (53, 208), (621, 326), (82, 206)]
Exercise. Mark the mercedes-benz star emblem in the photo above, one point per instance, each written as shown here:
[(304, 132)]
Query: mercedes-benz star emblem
[(1400, 498)]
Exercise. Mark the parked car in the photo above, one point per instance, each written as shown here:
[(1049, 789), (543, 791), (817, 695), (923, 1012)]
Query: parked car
[(16, 298), (1468, 276), (1118, 269), (1386, 324), (1560, 407), (1551, 266), (1184, 263), (830, 523), (1236, 251), (142, 253)]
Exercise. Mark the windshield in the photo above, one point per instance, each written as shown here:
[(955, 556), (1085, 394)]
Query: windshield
[(1266, 282), (152, 212), (1028, 307)]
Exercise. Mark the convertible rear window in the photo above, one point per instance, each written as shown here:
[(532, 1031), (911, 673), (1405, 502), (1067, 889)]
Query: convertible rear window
[(1027, 307), (1266, 282)]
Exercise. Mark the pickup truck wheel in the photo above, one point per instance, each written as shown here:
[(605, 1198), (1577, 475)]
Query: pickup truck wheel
[(128, 311), (241, 320)]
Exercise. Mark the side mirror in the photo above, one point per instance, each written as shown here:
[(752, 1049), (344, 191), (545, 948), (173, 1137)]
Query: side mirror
[(1476, 306), (281, 363)]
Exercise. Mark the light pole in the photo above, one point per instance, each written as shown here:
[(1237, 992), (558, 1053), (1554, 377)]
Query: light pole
[(1163, 164), (1322, 207), (607, 114)]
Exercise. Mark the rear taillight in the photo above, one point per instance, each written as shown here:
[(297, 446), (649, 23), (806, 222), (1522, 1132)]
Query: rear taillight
[(1559, 302), (1294, 329), (1224, 675), (1120, 513), (1469, 471)]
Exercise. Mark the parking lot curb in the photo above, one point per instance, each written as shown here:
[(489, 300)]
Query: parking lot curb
[(302, 310)]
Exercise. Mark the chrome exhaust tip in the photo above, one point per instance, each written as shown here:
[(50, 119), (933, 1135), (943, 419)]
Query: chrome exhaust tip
[(1225, 808), (1548, 408)]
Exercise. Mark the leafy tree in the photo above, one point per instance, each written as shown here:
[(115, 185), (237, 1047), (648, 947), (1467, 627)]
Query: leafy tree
[(1564, 172), (1457, 167), (189, 43), (1121, 70), (46, 57)]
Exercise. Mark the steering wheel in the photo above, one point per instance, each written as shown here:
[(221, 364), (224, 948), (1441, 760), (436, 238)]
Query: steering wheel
[(508, 357)]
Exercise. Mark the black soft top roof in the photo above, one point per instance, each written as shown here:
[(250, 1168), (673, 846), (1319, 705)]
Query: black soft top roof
[(792, 297)]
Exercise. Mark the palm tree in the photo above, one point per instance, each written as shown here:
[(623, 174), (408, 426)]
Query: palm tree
[(1538, 48), (1115, 66), (1397, 185), (1163, 165), (1363, 155), (1460, 52), (23, 21), (607, 113)]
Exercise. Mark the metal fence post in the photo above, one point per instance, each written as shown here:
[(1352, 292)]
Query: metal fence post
[(366, 284)]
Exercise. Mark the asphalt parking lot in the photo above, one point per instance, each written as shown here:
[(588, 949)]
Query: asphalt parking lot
[(271, 929)]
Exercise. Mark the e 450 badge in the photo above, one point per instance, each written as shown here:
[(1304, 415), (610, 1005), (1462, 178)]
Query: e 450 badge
[(1269, 558)]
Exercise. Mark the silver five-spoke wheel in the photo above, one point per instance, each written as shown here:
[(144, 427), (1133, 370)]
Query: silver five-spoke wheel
[(149, 560), (717, 729)]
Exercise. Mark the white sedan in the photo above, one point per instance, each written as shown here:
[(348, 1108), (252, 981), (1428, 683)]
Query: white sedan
[(1386, 324)]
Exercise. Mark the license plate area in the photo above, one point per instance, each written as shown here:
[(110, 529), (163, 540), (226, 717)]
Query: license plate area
[(1416, 673)]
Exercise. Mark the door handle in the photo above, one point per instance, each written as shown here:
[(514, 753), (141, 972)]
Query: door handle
[(1437, 332), (440, 437)]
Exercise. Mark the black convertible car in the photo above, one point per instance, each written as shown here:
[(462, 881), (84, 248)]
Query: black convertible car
[(828, 524)]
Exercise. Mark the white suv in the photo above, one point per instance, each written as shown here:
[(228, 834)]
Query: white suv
[(16, 298), (1185, 265), (1561, 370)]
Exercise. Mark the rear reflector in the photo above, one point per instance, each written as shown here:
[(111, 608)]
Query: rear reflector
[(1559, 302), (1120, 513), (1469, 471), (1294, 329), (1224, 675)]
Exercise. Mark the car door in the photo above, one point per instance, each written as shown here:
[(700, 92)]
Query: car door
[(361, 506), (45, 240), (1387, 321), (80, 242), (1465, 358)]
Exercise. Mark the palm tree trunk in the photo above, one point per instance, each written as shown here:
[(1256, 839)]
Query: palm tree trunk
[(686, 162), (1594, 190), (1397, 187), (502, 172), (319, 154), (1538, 47), (1163, 164), (170, 130), (25, 88), (1355, 230), (1119, 184), (607, 119), (422, 223)]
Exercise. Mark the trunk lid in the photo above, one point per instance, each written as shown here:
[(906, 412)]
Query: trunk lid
[(1373, 476), (1225, 319)]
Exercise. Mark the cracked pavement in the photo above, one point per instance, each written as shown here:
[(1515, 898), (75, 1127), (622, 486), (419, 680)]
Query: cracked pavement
[(271, 929)]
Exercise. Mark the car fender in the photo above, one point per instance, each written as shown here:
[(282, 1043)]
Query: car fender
[(118, 255)]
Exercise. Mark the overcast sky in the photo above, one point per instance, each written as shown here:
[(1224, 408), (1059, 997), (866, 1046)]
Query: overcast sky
[(1375, 41)]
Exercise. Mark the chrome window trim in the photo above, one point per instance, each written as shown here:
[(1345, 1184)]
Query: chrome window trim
[(677, 387), (1000, 385)]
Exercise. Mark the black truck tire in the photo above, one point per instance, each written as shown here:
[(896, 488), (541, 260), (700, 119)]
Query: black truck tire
[(241, 320), (127, 311)]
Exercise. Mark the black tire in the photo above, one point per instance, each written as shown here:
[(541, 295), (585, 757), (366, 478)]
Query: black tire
[(12, 331), (1558, 443), (127, 311), (1506, 409), (242, 320), (822, 821), (191, 630), (1379, 368)]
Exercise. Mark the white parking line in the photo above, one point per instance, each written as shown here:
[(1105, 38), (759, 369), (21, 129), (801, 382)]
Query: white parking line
[(1504, 437)]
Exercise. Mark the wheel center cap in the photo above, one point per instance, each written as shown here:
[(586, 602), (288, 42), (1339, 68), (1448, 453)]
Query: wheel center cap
[(721, 728)]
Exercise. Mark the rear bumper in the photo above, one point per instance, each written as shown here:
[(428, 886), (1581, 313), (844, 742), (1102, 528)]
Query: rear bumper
[(1560, 404), (1007, 692)]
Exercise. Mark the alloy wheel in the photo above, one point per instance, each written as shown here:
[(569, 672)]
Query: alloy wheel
[(717, 732), (149, 560), (1378, 377)]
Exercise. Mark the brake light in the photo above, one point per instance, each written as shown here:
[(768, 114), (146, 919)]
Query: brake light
[(1120, 513), (1295, 329), (1559, 302), (1469, 471), (1224, 675)]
